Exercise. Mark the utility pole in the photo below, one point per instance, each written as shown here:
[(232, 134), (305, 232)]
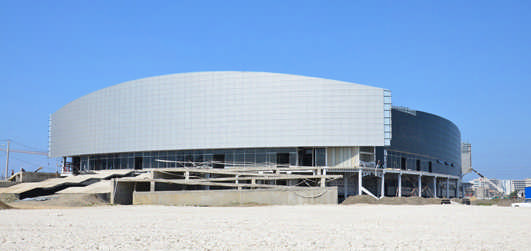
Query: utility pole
[(7, 160)]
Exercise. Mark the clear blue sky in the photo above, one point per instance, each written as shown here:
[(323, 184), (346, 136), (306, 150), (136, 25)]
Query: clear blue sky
[(469, 61)]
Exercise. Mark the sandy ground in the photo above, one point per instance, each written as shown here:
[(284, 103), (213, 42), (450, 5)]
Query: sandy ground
[(368, 227), (59, 201)]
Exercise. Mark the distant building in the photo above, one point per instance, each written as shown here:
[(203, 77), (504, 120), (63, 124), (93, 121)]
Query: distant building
[(478, 188), (485, 190), (507, 186), (519, 185)]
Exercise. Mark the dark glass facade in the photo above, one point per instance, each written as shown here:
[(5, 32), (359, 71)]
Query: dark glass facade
[(219, 158), (423, 141)]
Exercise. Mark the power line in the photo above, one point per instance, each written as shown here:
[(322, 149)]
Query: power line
[(26, 146), (16, 142), (27, 162)]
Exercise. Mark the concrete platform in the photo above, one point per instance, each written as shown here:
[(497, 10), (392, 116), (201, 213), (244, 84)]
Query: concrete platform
[(291, 196), (32, 176)]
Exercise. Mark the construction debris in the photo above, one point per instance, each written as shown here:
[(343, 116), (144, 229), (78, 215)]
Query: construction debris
[(178, 179)]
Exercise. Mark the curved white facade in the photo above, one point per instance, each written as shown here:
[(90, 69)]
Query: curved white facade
[(220, 110)]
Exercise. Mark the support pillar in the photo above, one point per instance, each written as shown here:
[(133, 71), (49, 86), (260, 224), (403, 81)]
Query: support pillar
[(420, 185), (447, 187), (462, 191), (323, 182), (360, 178), (208, 177), (457, 188), (152, 183), (7, 161), (400, 185), (237, 182), (434, 186), (382, 188), (64, 165), (186, 175), (345, 185)]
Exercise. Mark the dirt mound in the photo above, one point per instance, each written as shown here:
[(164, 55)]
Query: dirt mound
[(4, 205), (359, 199), (366, 199), (497, 202), (63, 201), (409, 201)]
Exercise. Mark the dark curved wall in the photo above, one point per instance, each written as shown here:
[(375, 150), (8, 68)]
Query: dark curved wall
[(424, 137)]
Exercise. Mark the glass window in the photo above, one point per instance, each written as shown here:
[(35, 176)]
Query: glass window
[(320, 156)]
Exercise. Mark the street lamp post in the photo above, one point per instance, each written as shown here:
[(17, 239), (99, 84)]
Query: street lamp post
[(7, 159)]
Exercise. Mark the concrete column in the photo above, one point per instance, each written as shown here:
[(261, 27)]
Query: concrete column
[(447, 187), (207, 176), (186, 175), (457, 188), (345, 185), (420, 185), (323, 182), (237, 182), (360, 178), (152, 186), (382, 188), (64, 165), (462, 191), (400, 185), (434, 186)]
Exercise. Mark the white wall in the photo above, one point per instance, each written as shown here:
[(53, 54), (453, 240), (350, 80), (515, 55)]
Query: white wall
[(209, 110), (343, 156)]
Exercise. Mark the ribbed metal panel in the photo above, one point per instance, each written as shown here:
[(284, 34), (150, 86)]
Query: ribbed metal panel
[(214, 110)]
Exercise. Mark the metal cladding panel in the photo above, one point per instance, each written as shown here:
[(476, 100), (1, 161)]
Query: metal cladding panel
[(210, 110)]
